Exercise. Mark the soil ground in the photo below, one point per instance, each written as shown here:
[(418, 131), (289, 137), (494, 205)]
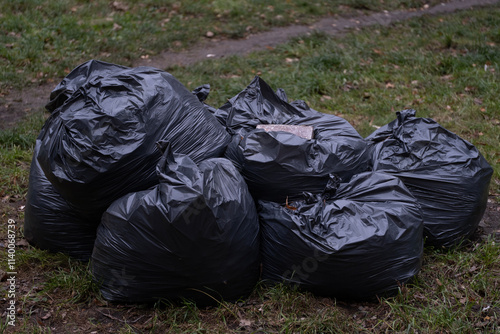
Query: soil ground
[(80, 317)]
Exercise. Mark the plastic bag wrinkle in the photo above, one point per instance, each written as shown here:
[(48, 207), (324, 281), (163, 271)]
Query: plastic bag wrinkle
[(100, 141), (447, 174), (360, 240), (278, 164), (199, 231), (50, 223)]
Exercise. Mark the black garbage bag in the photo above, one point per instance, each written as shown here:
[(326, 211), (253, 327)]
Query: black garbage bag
[(50, 223), (99, 142), (278, 164), (194, 235), (362, 240), (448, 175), (79, 77)]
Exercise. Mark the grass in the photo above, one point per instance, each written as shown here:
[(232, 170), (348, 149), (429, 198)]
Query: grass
[(445, 67), (367, 76), (16, 149), (43, 40), (456, 292)]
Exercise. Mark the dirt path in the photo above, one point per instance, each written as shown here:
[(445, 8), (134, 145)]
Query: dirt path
[(18, 103), (329, 25)]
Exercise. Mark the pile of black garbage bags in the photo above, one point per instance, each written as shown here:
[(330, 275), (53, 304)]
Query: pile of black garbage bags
[(171, 198)]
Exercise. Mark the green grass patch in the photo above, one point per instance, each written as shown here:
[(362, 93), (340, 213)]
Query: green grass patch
[(454, 292), (14, 164), (71, 279), (16, 149), (43, 40)]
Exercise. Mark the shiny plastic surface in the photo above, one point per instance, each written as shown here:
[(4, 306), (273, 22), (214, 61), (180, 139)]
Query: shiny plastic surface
[(100, 140), (447, 174), (279, 165), (356, 241), (193, 235)]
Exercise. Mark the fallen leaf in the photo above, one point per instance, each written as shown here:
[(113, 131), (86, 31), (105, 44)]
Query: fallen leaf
[(389, 85), (478, 101), (245, 323), (419, 296), (117, 5), (439, 282), (45, 317), (117, 27), (288, 206), (347, 87), (22, 243)]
